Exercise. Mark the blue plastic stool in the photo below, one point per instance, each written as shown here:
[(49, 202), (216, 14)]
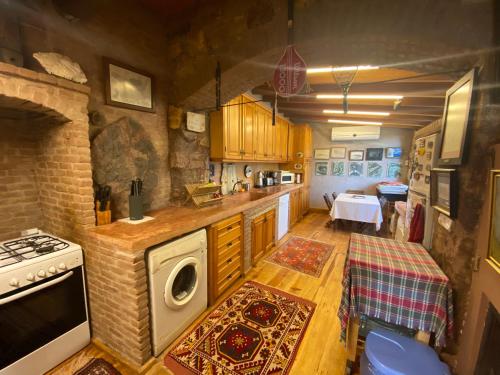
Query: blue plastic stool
[(387, 353)]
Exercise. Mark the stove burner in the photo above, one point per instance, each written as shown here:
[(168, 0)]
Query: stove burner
[(26, 248)]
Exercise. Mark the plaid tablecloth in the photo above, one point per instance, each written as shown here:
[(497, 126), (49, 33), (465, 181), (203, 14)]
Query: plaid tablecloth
[(397, 282)]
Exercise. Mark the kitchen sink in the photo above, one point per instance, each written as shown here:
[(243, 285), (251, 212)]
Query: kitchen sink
[(254, 196)]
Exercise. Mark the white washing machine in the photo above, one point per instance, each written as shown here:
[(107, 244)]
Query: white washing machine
[(177, 273)]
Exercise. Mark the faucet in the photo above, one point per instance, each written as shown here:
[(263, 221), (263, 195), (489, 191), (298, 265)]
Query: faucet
[(234, 186)]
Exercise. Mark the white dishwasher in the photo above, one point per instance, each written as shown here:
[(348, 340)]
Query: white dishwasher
[(283, 212)]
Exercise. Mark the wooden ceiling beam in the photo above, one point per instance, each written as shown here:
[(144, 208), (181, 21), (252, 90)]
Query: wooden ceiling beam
[(325, 117), (387, 120), (319, 111)]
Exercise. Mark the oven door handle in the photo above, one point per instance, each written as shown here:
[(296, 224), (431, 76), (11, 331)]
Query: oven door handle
[(25, 293)]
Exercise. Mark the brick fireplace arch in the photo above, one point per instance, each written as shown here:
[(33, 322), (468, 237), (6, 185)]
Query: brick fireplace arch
[(45, 169)]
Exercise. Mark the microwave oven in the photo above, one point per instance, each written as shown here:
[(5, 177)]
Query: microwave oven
[(285, 177)]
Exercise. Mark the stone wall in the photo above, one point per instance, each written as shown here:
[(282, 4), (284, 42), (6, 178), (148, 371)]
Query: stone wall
[(454, 250), (126, 32), (248, 38)]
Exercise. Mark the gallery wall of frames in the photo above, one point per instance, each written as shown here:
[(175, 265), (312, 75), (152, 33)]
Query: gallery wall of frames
[(358, 165)]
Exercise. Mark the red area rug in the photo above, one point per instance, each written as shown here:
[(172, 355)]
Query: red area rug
[(98, 366), (303, 255), (257, 330)]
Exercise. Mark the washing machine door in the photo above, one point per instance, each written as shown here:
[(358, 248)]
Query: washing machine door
[(182, 283)]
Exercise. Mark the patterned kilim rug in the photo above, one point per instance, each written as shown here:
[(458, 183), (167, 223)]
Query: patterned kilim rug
[(303, 255), (257, 330), (98, 366)]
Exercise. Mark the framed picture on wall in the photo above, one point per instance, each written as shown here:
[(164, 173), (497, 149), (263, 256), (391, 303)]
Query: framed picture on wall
[(338, 152), (393, 152), (457, 111), (444, 191), (128, 87), (494, 240), (321, 168), (337, 168), (322, 153), (374, 154), (356, 155), (355, 169), (394, 170), (374, 169)]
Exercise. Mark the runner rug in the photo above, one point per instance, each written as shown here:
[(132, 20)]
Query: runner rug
[(303, 255), (257, 330), (98, 366)]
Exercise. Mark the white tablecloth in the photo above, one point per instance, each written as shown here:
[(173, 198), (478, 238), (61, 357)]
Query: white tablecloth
[(366, 209)]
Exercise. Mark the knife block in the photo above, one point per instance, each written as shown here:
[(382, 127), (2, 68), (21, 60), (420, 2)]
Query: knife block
[(102, 217), (135, 207)]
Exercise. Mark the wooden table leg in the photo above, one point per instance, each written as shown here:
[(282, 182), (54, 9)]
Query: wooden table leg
[(352, 338)]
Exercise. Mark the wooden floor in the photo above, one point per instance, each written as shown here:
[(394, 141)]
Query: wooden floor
[(320, 352)]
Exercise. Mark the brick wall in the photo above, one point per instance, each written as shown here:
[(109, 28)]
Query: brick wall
[(19, 201), (46, 164), (117, 284)]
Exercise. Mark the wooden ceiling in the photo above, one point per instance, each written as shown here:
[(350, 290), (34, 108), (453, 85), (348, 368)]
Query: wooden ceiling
[(423, 100)]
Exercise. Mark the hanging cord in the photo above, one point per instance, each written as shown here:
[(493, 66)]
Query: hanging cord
[(290, 22)]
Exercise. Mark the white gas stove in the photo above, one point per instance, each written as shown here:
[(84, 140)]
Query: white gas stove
[(43, 306)]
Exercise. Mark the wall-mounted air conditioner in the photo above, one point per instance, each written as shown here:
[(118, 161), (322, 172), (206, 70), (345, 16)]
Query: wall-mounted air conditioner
[(355, 133)]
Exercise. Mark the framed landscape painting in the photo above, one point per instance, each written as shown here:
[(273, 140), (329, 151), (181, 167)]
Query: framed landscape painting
[(338, 152), (322, 153), (128, 87), (356, 155), (393, 152)]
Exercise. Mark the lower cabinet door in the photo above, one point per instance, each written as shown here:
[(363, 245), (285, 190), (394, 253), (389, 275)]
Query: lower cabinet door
[(270, 230), (258, 233)]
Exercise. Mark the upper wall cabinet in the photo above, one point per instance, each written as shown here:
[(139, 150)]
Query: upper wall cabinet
[(245, 132)]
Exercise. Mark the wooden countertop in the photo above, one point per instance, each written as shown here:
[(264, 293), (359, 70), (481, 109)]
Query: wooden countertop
[(172, 221)]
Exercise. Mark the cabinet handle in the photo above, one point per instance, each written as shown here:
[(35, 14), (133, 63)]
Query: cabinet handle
[(229, 260), (229, 277), (230, 227), (230, 244)]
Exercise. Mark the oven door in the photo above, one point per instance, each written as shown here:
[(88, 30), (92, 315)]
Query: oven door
[(33, 316)]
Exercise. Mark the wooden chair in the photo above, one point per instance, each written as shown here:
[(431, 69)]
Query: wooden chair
[(328, 201), (329, 204)]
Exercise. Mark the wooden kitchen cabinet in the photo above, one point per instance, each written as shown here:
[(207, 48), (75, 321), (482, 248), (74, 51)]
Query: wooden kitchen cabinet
[(263, 234), (225, 255), (296, 206), (247, 128), (259, 133), (245, 132)]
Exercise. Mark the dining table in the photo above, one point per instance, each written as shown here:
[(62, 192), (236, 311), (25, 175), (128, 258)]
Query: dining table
[(397, 282), (357, 207)]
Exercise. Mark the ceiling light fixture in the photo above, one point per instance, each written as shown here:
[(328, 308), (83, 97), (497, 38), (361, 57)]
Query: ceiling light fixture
[(362, 113), (354, 122), (330, 69), (360, 96)]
